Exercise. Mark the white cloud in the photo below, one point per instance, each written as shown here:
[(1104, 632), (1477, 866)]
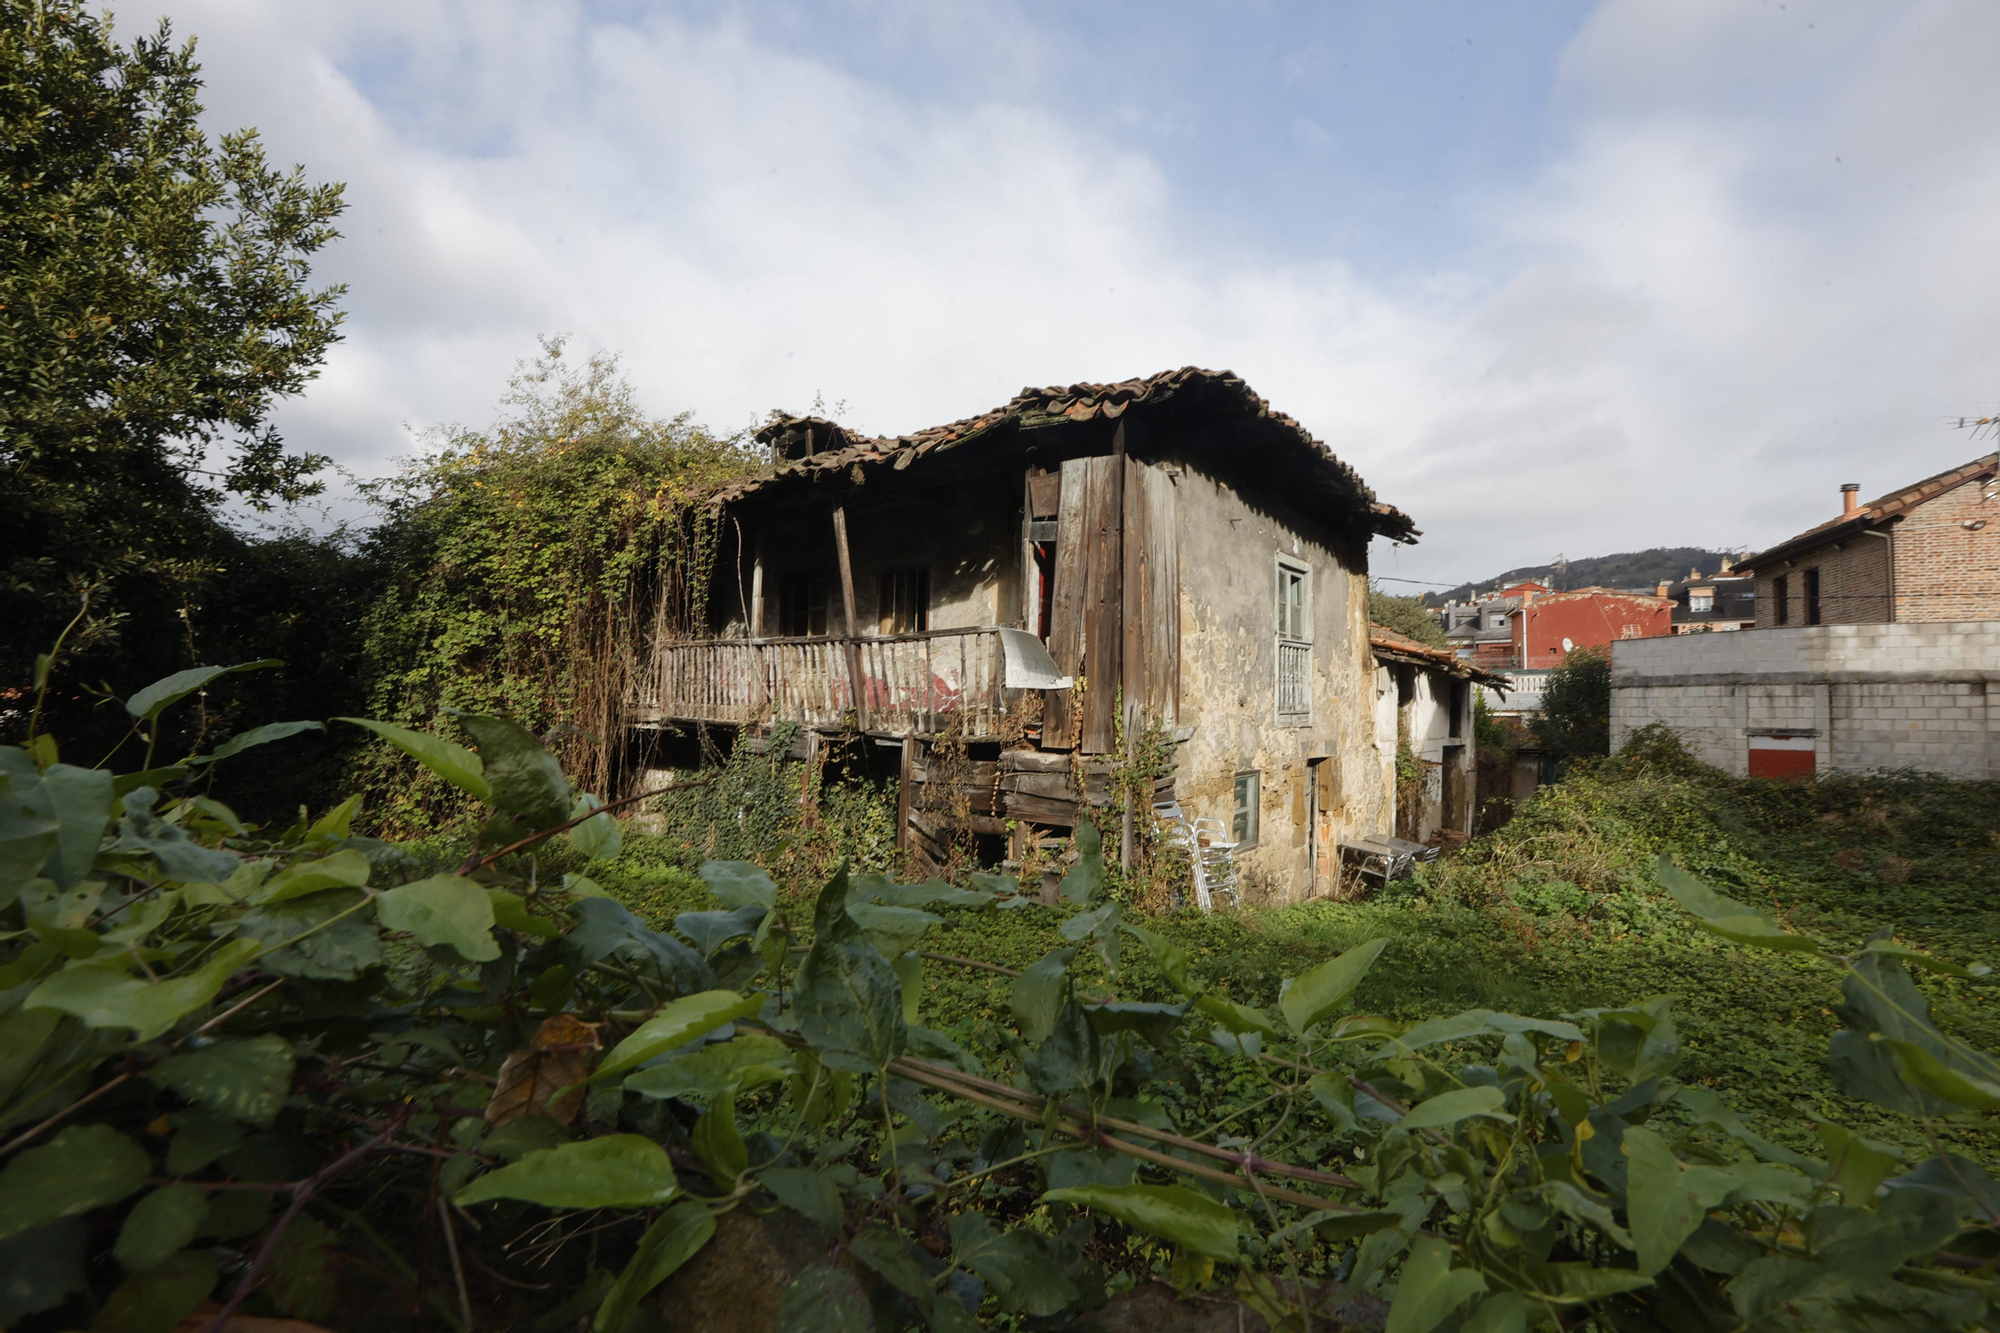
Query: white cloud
[(1688, 328)]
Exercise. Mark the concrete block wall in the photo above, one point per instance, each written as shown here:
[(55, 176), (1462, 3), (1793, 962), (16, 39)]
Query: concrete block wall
[(1872, 697)]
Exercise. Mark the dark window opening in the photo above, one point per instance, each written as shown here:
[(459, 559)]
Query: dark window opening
[(1243, 828), (1045, 583), (905, 601), (1781, 599), (1458, 693), (802, 604), (1811, 581)]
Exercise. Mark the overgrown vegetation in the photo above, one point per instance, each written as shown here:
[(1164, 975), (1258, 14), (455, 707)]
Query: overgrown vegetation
[(492, 1096), (1407, 616), (520, 569)]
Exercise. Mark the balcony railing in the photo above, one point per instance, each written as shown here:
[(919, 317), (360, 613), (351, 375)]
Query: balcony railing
[(893, 683)]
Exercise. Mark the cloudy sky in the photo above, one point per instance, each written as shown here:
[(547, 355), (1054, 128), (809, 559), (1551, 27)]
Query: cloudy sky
[(1555, 276)]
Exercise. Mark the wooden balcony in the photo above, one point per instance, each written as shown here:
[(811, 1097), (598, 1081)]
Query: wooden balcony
[(893, 684)]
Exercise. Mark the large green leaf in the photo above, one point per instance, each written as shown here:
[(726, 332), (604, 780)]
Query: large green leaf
[(167, 691), (1664, 1201), (157, 1300), (264, 735), (675, 1026), (1171, 1212), (79, 800), (739, 883), (1448, 1108), (1068, 1056), (1924, 960), (444, 910), (604, 927), (616, 1171), (597, 837), (825, 1299), (27, 836), (1475, 1023), (1725, 916), (1934, 1076), (83, 1167), (524, 779), (1016, 1263), (1037, 994), (894, 930), (1086, 877), (671, 1241), (347, 869), (1237, 1018), (339, 951), (717, 1071), (162, 1223), (1172, 959), (106, 996), (1638, 1042), (850, 1002), (40, 1269), (179, 854), (1881, 1007), (1580, 1283), (246, 1079), (888, 1254), (452, 762), (805, 1192), (1430, 1288), (1314, 996), (719, 1143)]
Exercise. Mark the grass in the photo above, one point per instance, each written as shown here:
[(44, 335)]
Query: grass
[(1559, 911)]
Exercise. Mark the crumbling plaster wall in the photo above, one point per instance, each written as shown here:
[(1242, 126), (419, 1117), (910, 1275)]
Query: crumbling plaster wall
[(1230, 542), (1428, 716)]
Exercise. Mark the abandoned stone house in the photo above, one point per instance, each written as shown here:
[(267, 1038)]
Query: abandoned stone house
[(1423, 726), (1002, 608)]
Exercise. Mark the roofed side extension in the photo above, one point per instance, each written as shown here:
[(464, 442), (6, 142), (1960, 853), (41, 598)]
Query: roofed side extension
[(1891, 506), (1390, 646), (813, 448)]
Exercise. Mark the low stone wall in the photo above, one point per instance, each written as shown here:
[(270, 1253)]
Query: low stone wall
[(1856, 697)]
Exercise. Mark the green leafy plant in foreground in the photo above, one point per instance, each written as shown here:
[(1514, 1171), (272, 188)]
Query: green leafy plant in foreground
[(233, 1063)]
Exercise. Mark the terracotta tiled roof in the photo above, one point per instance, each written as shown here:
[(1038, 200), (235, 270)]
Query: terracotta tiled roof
[(1219, 393), (1893, 505), (1398, 647)]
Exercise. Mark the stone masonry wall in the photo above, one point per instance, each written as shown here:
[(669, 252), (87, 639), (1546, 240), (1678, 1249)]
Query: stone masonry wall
[(1871, 697)]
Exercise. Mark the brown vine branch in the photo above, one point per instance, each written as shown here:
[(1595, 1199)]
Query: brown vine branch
[(478, 862), (302, 1193)]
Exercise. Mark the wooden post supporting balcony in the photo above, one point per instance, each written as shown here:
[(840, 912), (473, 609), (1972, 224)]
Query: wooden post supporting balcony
[(856, 684)]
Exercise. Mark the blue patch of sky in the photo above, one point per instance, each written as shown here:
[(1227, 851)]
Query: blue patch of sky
[(1374, 132)]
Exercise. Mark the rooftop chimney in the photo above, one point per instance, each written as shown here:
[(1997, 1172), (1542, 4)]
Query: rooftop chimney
[(1850, 498), (1664, 589), (1728, 565)]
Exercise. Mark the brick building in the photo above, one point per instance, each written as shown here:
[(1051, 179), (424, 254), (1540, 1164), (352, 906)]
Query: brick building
[(1927, 552), (1812, 699), (1547, 628)]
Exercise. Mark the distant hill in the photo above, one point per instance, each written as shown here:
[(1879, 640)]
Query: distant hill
[(1631, 569)]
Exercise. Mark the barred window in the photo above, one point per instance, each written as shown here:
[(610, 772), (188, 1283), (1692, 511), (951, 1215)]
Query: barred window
[(1294, 640)]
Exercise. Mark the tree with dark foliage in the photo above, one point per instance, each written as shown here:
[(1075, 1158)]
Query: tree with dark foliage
[(154, 304), (1575, 722)]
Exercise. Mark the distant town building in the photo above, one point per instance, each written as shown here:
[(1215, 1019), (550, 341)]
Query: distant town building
[(1550, 626), (1927, 552), (1725, 600)]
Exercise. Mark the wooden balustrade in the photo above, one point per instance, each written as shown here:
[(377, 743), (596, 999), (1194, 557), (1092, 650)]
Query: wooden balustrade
[(909, 683)]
